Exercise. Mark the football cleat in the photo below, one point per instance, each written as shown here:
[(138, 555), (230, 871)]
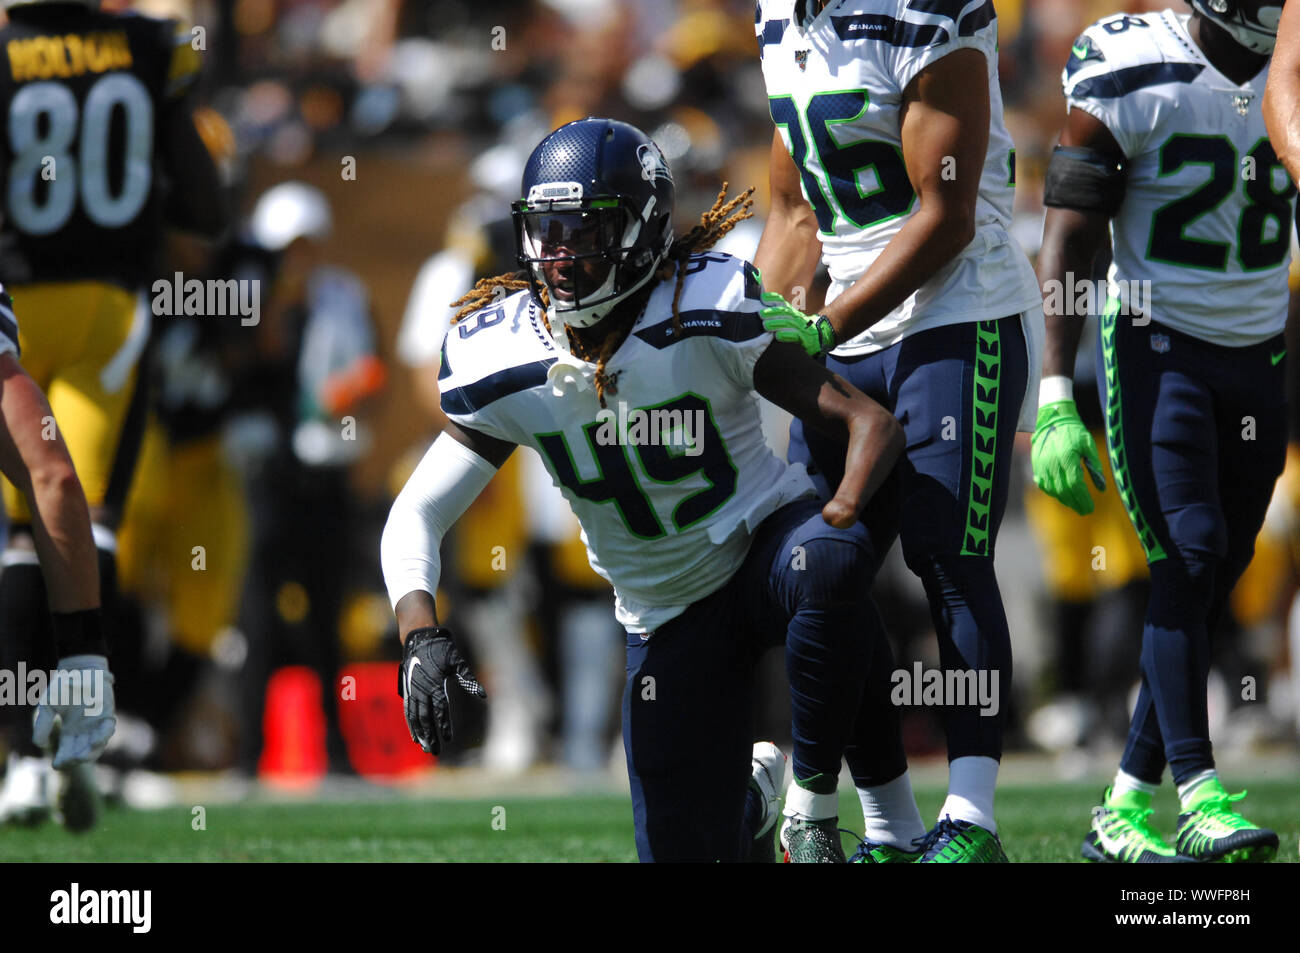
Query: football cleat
[(811, 842), (960, 842), (1213, 832), (28, 793), (768, 778), (1122, 834), (870, 852)]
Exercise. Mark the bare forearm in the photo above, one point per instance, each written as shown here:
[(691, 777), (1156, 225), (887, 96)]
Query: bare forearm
[(415, 610), (927, 242), (788, 252), (1071, 241), (1056, 268), (875, 444), (1282, 97)]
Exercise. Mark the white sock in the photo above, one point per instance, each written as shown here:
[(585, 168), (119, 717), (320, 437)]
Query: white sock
[(1126, 783), (972, 781), (810, 806), (890, 814), (1195, 781)]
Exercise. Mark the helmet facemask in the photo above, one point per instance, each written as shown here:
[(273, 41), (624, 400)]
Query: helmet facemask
[(588, 254)]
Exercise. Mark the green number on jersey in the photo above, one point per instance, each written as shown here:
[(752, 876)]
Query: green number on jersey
[(617, 481)]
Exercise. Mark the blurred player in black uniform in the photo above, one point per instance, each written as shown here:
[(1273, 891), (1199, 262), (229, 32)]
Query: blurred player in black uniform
[(98, 153)]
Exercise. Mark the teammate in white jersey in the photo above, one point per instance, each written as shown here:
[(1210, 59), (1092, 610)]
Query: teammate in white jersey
[(891, 160), (638, 394), (1165, 148)]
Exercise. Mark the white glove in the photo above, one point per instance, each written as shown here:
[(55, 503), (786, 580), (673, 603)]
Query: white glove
[(79, 700)]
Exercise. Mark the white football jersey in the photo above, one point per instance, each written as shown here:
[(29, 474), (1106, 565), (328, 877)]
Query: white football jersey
[(670, 482), (835, 91), (1207, 215)]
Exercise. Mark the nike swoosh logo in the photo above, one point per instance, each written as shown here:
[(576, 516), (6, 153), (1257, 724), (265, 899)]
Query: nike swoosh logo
[(1277, 357), (410, 670)]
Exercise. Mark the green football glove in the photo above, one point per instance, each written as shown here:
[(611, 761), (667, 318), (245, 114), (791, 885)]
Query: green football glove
[(813, 332), (1060, 443)]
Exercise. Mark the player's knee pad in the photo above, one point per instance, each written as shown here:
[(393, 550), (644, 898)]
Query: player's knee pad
[(1182, 588), (835, 569)]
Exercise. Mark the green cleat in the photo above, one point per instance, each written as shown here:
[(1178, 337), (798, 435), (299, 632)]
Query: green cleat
[(1121, 833), (961, 842), (870, 852), (811, 842), (1213, 832)]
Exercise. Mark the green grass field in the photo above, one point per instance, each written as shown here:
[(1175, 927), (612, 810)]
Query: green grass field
[(1041, 822)]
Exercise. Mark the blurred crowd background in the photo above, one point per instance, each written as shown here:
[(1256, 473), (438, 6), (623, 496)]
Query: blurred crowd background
[(373, 148)]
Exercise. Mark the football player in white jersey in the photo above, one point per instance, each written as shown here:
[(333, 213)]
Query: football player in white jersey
[(1165, 148), (891, 160), (629, 359)]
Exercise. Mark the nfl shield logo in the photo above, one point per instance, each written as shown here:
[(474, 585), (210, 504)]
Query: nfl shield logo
[(1160, 343), (801, 57)]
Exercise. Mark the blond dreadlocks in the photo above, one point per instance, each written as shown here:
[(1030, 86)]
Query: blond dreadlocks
[(715, 223)]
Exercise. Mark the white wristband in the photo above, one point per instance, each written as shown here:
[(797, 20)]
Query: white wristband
[(1054, 389)]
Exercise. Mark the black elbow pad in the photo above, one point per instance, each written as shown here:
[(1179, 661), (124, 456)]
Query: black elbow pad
[(1084, 179)]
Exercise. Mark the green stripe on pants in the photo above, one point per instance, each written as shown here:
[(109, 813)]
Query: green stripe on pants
[(984, 442), (1115, 436)]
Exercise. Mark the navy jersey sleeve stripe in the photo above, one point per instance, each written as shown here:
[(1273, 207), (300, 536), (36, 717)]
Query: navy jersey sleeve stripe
[(1122, 82), (470, 398), (772, 32), (977, 19), (732, 325)]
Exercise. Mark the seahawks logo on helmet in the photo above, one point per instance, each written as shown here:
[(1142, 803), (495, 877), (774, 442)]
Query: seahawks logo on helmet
[(653, 164)]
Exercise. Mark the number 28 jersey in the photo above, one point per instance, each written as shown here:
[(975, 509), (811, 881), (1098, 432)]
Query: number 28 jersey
[(1202, 241), (670, 482), (835, 91), (84, 96)]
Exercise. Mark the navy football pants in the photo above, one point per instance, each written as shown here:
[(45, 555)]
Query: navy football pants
[(688, 704), (1197, 437), (957, 391)]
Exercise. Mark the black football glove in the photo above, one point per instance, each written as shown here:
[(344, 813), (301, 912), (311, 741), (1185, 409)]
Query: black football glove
[(429, 659)]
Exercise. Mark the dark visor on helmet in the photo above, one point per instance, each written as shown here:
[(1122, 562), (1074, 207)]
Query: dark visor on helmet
[(551, 234)]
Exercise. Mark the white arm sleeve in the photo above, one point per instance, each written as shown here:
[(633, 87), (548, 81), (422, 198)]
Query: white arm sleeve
[(449, 478)]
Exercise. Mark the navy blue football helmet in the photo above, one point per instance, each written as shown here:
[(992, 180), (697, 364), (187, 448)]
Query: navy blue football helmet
[(595, 220), (1252, 23)]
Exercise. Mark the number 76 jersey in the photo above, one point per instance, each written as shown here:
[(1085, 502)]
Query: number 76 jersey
[(1202, 241), (835, 87), (86, 98)]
